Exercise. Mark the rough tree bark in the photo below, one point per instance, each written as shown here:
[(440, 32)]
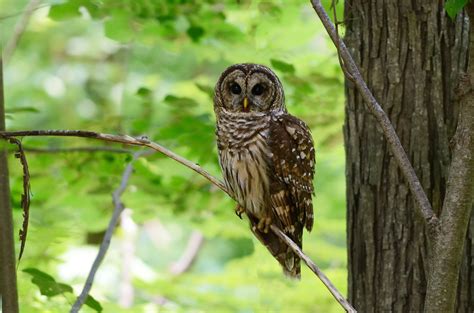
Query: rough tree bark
[(8, 291), (411, 56)]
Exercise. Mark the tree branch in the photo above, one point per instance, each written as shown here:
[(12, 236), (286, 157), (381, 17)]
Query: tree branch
[(313, 267), (104, 246), (91, 149), (387, 128), (125, 139), (446, 256), (127, 255), (19, 29)]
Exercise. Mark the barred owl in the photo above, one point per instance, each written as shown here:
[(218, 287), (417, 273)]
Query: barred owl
[(266, 156)]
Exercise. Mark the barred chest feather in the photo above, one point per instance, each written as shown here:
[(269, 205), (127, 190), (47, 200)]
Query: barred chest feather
[(244, 157)]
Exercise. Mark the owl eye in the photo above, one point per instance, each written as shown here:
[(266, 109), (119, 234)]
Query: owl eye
[(235, 89), (258, 89)]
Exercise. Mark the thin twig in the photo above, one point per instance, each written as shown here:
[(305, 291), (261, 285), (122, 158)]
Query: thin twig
[(91, 149), (389, 132), (19, 29), (129, 229), (155, 146), (336, 22), (104, 246)]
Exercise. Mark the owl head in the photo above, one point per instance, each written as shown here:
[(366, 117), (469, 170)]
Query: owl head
[(249, 88)]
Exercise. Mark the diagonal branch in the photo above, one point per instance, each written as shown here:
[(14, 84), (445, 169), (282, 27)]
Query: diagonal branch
[(104, 246), (387, 128), (125, 139), (313, 267)]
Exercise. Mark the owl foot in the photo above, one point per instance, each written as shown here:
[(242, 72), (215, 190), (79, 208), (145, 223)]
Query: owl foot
[(264, 224), (239, 210)]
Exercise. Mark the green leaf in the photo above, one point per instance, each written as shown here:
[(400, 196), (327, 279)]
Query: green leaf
[(46, 283), (93, 304), (195, 32), (283, 66), (144, 92), (453, 7), (71, 9), (22, 110), (180, 101), (64, 11)]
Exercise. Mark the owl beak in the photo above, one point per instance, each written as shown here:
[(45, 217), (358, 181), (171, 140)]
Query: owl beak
[(246, 104)]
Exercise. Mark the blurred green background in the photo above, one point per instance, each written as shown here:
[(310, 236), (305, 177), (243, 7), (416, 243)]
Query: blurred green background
[(144, 67)]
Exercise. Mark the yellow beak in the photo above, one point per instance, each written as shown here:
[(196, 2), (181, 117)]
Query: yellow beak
[(246, 103)]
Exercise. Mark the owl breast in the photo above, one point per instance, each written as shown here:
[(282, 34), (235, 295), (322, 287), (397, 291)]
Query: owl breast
[(244, 157)]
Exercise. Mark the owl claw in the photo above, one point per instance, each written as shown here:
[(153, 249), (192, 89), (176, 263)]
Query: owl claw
[(264, 224), (239, 211)]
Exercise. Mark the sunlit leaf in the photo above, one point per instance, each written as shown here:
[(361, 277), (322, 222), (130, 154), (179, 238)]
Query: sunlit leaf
[(71, 9), (283, 66), (65, 11)]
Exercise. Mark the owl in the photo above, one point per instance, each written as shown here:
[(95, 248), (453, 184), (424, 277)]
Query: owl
[(267, 158)]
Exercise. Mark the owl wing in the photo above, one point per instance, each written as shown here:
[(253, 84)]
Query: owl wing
[(293, 162)]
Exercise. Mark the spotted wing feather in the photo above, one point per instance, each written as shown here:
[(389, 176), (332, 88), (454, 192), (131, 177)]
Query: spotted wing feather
[(293, 163), (291, 186)]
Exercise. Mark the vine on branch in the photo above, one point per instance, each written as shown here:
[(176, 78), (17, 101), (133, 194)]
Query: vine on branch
[(25, 197)]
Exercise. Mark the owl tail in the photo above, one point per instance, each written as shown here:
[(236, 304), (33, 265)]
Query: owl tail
[(288, 260)]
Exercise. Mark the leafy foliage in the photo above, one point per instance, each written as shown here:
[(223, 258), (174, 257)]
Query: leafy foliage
[(50, 288), (148, 68)]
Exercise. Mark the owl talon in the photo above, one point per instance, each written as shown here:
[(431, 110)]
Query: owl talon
[(264, 224), (239, 211)]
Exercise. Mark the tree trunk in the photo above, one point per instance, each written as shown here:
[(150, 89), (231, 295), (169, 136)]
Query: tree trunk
[(8, 291), (411, 55)]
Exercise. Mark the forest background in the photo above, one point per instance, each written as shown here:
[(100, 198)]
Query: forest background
[(148, 68)]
